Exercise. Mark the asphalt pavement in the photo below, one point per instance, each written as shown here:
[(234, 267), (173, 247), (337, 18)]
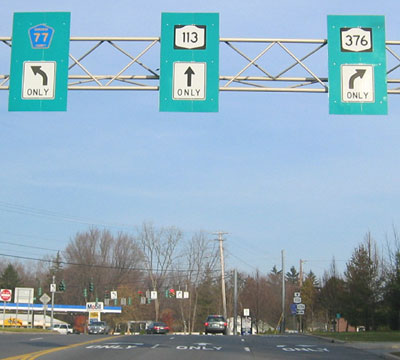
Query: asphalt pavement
[(189, 347), (384, 349)]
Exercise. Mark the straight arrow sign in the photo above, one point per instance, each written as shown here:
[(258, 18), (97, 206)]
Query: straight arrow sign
[(189, 72)]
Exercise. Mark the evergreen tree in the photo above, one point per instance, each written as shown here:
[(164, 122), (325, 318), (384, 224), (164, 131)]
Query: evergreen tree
[(309, 297), (292, 276), (9, 278), (392, 294), (363, 286)]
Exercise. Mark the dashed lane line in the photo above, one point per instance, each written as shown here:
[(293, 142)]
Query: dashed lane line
[(37, 354)]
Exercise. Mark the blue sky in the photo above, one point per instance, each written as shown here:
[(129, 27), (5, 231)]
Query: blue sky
[(274, 170)]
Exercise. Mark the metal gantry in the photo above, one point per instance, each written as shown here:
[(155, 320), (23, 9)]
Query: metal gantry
[(246, 64)]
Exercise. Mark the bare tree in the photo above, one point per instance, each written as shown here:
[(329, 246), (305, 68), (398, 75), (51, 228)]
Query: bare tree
[(99, 257), (201, 257), (158, 247)]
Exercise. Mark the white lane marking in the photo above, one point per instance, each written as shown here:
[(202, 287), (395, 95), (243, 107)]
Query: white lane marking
[(155, 346), (247, 349), (242, 339), (124, 343), (171, 338), (36, 339)]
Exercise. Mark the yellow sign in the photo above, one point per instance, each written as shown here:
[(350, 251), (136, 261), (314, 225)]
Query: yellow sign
[(94, 315), (13, 322)]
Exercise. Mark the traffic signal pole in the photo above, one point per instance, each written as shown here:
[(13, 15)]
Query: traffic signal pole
[(52, 303)]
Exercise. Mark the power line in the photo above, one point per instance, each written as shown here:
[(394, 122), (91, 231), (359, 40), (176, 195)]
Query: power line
[(100, 266), (27, 246), (27, 236), (25, 210)]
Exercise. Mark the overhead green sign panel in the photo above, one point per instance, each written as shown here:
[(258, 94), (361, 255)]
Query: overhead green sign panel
[(357, 65), (39, 62), (189, 70)]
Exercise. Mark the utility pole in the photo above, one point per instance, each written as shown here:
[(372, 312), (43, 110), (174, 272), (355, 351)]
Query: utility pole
[(221, 252), (235, 300), (301, 272), (283, 293)]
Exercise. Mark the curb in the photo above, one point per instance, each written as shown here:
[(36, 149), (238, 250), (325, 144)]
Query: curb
[(389, 356)]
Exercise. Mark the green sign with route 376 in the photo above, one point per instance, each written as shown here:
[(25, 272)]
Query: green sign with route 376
[(357, 65), (39, 62)]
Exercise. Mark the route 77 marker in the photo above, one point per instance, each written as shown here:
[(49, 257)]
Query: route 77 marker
[(39, 61)]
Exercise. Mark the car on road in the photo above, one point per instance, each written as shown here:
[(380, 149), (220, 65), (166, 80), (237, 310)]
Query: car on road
[(157, 328), (98, 327), (64, 329), (215, 324)]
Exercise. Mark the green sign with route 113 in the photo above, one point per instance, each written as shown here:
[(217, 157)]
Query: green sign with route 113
[(189, 64), (39, 62), (357, 65)]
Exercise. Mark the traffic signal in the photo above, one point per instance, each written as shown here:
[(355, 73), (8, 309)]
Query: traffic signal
[(129, 300), (39, 291), (85, 292), (171, 292), (106, 294), (61, 286), (91, 286)]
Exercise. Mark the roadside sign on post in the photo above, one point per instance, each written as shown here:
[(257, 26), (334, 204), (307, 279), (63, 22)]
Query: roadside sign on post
[(301, 307), (357, 65), (23, 295), (39, 62), (5, 295), (44, 299), (293, 309), (189, 64)]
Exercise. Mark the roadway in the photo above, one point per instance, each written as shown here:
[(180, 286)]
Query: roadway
[(171, 347)]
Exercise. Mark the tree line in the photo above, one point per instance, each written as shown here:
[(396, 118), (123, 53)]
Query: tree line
[(96, 262)]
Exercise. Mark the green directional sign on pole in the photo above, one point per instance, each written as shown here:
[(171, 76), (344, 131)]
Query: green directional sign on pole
[(189, 70), (39, 62), (357, 65)]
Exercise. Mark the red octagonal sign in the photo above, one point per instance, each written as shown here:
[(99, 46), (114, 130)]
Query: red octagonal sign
[(5, 295)]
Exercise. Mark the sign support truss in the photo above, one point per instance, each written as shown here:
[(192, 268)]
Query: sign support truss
[(265, 65)]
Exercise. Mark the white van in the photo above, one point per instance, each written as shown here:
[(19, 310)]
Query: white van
[(63, 329)]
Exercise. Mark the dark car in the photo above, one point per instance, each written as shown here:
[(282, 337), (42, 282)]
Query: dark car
[(98, 327), (215, 324), (157, 328)]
